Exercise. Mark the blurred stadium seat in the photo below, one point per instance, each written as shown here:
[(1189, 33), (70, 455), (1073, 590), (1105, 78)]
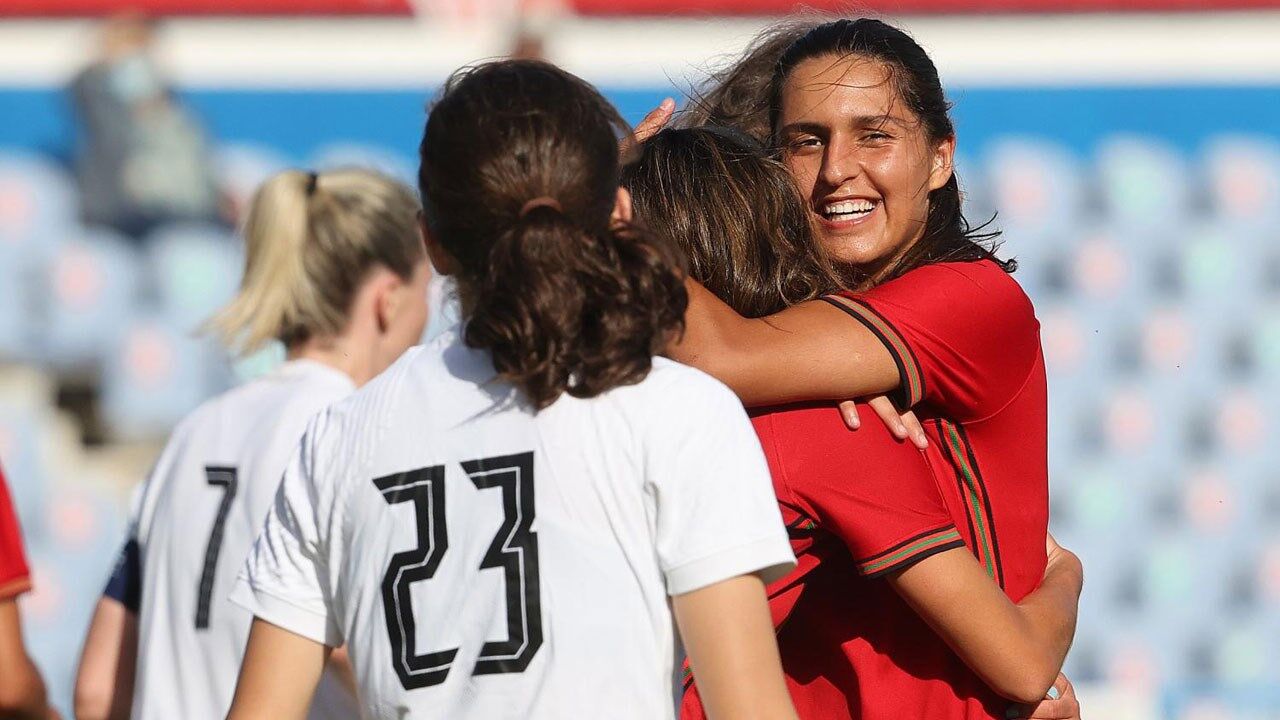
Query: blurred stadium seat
[(195, 270), (92, 284), (1152, 259), (155, 373)]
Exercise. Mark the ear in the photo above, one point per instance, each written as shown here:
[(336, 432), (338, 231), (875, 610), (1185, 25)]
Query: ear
[(440, 258), (621, 207), (944, 155), (386, 297)]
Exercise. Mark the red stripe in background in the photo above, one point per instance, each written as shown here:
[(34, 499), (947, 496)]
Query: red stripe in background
[(893, 7), (34, 8), (65, 8)]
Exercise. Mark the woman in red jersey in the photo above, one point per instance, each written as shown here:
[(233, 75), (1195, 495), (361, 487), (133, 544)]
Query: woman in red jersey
[(859, 117), (737, 216)]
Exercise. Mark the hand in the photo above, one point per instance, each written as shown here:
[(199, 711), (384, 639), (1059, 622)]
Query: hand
[(902, 425), (651, 125), (1060, 704)]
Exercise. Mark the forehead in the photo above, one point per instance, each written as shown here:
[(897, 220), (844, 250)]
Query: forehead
[(826, 87)]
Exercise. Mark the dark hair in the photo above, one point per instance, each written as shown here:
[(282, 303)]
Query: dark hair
[(519, 177), (738, 95), (948, 236), (735, 213)]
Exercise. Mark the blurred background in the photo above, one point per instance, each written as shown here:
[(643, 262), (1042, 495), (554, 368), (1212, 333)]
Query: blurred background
[(1131, 148)]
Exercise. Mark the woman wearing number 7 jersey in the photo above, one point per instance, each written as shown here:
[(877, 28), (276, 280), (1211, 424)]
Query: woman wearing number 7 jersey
[(337, 270), (505, 523)]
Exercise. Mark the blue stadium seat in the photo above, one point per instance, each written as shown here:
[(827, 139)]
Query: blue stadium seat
[(37, 201), (23, 460), (155, 374), (93, 283), (1144, 188), (1039, 189), (70, 568), (1244, 181), (195, 270)]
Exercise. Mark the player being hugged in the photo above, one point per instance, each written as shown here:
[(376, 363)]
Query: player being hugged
[(504, 523), (336, 269)]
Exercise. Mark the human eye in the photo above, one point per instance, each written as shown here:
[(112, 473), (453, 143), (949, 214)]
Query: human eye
[(802, 143)]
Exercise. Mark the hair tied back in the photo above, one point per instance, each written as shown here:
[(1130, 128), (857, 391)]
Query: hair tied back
[(541, 201)]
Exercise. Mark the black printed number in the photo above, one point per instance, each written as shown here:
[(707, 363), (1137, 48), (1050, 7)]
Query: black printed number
[(224, 477), (514, 549)]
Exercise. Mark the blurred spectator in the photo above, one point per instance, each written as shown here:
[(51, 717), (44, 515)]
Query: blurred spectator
[(144, 160), (22, 692)]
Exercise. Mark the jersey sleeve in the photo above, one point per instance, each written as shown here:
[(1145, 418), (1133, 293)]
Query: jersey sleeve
[(284, 579), (716, 514), (963, 335), (125, 584), (890, 515), (15, 576)]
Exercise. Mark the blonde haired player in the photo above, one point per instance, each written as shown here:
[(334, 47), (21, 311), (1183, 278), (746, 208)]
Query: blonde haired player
[(336, 269)]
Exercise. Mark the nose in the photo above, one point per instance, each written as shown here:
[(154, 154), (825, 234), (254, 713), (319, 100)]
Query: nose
[(840, 163)]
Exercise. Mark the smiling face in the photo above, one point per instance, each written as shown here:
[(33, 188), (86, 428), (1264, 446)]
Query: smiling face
[(861, 157)]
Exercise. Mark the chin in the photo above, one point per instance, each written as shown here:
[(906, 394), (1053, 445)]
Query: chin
[(850, 252)]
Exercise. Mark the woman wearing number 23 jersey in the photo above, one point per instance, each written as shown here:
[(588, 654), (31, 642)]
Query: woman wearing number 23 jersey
[(504, 524)]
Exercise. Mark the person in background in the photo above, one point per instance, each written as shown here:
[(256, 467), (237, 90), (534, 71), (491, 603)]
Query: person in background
[(22, 693), (143, 160), (337, 271)]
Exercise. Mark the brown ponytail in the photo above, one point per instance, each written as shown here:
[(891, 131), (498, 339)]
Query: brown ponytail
[(519, 177)]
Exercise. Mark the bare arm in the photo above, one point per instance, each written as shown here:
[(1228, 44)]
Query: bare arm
[(811, 351), (104, 681), (279, 674), (22, 694), (1017, 650), (728, 634)]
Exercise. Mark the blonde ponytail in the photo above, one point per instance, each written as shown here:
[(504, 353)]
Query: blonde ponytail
[(309, 242)]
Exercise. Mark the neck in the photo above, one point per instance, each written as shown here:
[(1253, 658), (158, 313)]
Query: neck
[(338, 354)]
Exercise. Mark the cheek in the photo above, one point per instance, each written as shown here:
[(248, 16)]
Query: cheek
[(804, 170), (901, 178)]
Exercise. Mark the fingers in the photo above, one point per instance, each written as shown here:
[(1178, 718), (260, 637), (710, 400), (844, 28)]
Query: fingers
[(903, 426), (888, 415), (915, 430), (654, 121), (849, 411)]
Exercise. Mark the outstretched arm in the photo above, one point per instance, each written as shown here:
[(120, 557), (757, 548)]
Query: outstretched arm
[(1018, 650), (812, 351), (728, 633)]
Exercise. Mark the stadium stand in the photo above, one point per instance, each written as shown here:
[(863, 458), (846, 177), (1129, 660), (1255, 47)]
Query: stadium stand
[(1150, 252)]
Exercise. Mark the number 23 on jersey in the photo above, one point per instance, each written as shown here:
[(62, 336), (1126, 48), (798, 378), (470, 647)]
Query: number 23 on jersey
[(514, 550)]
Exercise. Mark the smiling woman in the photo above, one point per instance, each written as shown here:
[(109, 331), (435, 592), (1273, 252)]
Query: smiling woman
[(861, 120)]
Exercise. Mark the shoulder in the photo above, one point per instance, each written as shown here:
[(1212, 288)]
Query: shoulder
[(965, 294), (366, 409), (980, 279), (673, 385)]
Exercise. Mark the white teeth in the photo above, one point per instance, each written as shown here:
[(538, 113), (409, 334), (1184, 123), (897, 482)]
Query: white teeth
[(849, 207)]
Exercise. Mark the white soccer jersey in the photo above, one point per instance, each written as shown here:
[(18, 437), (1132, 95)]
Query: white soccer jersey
[(195, 520), (483, 561)]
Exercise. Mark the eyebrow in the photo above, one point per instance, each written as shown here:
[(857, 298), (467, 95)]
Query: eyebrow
[(855, 121)]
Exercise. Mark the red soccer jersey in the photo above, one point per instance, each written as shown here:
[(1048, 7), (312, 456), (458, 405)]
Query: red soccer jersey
[(967, 344), (15, 578), (859, 505)]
